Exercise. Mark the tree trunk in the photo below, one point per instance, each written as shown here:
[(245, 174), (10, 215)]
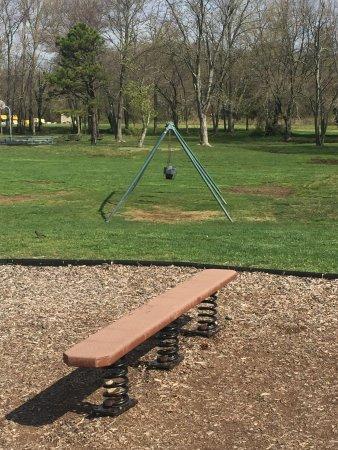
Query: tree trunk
[(97, 125), (112, 120), (92, 122), (273, 110), (9, 75), (21, 119), (155, 110), (204, 139), (215, 118), (259, 122), (186, 119), (94, 135), (74, 125), (85, 124), (155, 124), (317, 130), (31, 125), (145, 124), (201, 110), (39, 127), (246, 123), (119, 136), (335, 112), (39, 104), (126, 119), (231, 125), (230, 94), (186, 109), (224, 117), (323, 128), (89, 123), (318, 108), (175, 117), (287, 128)]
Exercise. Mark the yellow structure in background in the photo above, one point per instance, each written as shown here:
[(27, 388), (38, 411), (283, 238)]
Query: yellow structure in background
[(3, 118)]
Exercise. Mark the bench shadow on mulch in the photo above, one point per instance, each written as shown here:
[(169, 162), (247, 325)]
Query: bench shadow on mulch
[(68, 393)]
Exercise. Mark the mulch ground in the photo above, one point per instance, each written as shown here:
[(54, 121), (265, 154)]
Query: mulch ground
[(266, 381)]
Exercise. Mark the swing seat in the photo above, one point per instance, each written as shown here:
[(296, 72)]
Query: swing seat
[(169, 172)]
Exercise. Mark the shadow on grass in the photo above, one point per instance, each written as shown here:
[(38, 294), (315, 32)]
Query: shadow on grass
[(68, 394), (301, 143)]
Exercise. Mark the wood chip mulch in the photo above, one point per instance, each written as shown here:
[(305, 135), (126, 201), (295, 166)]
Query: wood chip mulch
[(266, 381)]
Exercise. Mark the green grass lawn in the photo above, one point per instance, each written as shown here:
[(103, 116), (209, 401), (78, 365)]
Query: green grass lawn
[(282, 197)]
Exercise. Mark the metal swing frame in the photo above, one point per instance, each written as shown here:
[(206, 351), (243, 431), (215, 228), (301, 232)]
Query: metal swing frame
[(193, 158)]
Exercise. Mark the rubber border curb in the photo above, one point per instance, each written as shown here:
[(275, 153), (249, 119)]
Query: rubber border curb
[(35, 262)]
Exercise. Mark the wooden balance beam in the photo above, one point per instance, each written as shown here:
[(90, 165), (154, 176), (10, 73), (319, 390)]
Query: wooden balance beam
[(106, 347)]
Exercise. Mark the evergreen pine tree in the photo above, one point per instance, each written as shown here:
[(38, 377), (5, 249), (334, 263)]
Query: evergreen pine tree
[(79, 71)]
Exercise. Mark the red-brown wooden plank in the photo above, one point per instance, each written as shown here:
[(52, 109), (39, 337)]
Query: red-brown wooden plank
[(117, 339)]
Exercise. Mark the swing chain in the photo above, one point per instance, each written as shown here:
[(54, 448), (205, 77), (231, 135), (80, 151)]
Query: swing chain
[(170, 150)]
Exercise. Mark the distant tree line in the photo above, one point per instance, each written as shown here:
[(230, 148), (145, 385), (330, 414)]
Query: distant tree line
[(214, 61)]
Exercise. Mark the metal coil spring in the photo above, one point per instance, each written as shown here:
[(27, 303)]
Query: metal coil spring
[(207, 315), (168, 344), (116, 386)]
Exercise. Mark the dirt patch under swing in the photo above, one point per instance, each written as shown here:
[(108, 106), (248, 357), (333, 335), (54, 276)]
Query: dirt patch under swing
[(271, 190), (169, 215)]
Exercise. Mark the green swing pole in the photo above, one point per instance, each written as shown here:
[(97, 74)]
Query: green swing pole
[(183, 144), (204, 175), (179, 137), (201, 170), (138, 176), (211, 188)]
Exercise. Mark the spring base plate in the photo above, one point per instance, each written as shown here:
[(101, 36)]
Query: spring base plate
[(157, 365), (114, 411)]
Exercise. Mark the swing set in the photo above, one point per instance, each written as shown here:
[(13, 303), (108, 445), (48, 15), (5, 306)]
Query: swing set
[(169, 172)]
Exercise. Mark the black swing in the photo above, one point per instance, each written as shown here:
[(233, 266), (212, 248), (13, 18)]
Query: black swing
[(169, 170)]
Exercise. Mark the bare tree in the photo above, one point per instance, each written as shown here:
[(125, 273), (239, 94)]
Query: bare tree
[(11, 16), (90, 12), (205, 27), (122, 25), (280, 49), (322, 26), (237, 20), (35, 19), (169, 72), (201, 41), (266, 59)]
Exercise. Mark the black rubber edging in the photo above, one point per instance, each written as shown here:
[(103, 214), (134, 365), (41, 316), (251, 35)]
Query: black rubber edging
[(99, 262)]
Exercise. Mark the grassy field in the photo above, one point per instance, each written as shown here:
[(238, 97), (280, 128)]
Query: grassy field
[(282, 197)]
